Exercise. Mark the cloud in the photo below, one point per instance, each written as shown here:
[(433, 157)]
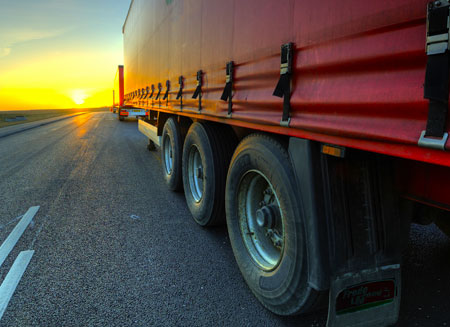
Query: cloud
[(10, 38)]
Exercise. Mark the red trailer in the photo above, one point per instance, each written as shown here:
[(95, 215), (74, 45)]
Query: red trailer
[(122, 110), (317, 129)]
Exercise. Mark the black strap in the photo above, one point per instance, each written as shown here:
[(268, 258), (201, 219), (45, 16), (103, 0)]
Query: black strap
[(227, 93), (437, 118), (226, 96), (436, 87), (159, 91), (283, 88), (153, 91), (197, 92), (167, 90), (180, 91)]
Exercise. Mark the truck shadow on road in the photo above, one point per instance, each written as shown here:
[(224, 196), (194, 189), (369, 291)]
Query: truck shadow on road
[(426, 284)]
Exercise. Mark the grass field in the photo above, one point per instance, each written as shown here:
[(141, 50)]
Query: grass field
[(34, 115)]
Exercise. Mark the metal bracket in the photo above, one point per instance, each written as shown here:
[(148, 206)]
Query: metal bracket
[(438, 42), (433, 143)]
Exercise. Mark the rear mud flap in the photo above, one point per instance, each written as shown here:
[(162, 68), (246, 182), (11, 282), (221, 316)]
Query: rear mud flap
[(368, 229), (367, 298)]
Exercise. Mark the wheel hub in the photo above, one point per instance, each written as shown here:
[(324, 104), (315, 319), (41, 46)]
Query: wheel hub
[(168, 157), (267, 215), (261, 220), (195, 174)]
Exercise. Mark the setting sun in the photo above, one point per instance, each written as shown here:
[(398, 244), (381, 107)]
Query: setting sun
[(78, 96)]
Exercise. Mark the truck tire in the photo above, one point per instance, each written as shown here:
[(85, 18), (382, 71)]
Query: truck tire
[(266, 226), (206, 156), (171, 154)]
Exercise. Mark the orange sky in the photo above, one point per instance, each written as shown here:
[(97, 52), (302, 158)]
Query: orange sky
[(59, 53)]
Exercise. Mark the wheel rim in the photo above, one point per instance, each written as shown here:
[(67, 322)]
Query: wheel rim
[(261, 220), (168, 155), (195, 173)]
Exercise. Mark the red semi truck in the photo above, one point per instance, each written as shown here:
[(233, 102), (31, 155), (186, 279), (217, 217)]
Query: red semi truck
[(317, 130)]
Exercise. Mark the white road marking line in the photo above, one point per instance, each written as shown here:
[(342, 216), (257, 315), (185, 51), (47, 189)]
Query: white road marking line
[(16, 233), (12, 279)]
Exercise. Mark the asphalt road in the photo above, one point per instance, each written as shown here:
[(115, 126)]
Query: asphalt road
[(114, 247)]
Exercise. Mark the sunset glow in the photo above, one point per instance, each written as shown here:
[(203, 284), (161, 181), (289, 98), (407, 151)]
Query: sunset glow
[(59, 54), (78, 96)]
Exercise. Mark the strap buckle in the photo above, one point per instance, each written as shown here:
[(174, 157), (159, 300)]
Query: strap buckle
[(433, 142)]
